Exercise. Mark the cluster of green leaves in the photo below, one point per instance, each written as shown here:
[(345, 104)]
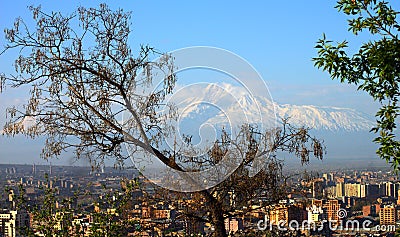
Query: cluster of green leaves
[(53, 215), (375, 68), (113, 219)]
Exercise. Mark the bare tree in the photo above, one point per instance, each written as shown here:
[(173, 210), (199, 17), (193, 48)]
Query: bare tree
[(235, 195), (81, 70), (83, 75)]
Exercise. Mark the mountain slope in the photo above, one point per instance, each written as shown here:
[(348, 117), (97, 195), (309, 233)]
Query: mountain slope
[(225, 105), (327, 118)]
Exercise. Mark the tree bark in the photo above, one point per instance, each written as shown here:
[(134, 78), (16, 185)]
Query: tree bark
[(219, 223), (217, 216)]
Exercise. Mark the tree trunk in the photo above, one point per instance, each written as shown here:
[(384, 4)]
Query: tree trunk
[(218, 222), (215, 208), (217, 216)]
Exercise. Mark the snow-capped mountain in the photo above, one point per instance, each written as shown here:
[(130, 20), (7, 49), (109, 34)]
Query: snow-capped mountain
[(225, 105), (327, 118)]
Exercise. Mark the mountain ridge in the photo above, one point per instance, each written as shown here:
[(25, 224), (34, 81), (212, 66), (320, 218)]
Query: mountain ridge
[(228, 105)]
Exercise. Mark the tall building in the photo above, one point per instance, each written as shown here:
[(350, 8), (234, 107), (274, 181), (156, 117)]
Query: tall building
[(332, 176), (332, 207), (369, 210), (279, 215), (389, 189), (318, 188), (396, 190), (398, 198), (282, 214), (354, 190), (315, 214), (349, 201), (330, 192), (317, 202), (233, 225), (12, 221), (350, 190), (340, 190), (363, 191), (372, 191), (387, 216)]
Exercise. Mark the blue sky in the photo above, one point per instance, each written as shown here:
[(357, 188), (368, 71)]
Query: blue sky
[(276, 37)]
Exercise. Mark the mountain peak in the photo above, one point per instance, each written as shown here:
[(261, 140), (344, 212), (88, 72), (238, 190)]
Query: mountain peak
[(224, 104)]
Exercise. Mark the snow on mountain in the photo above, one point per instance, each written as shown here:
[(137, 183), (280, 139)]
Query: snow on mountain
[(327, 118), (226, 105)]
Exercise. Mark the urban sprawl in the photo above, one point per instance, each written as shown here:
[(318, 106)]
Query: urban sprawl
[(332, 203)]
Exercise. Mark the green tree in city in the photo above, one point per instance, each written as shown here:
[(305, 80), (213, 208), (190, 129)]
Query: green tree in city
[(375, 68), (52, 215)]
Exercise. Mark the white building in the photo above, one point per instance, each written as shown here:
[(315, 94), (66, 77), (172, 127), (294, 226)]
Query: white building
[(314, 214), (11, 222)]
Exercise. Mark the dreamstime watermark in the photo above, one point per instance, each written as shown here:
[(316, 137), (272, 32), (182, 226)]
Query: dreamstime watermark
[(332, 225), (223, 99)]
